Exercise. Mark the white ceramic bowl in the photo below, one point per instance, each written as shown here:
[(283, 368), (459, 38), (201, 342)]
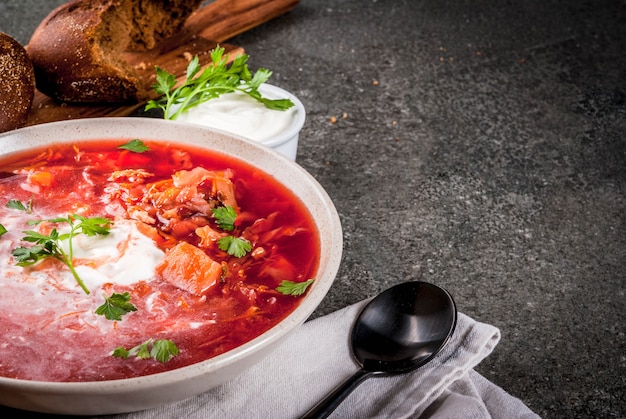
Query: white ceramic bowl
[(248, 123), (116, 396)]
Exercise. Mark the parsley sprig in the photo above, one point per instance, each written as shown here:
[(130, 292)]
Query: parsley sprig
[(161, 350), (116, 306), (215, 80), (49, 245), (234, 246), (136, 146), (294, 288), (225, 217), (18, 205)]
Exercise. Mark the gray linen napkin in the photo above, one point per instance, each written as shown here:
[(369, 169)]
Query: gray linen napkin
[(316, 358)]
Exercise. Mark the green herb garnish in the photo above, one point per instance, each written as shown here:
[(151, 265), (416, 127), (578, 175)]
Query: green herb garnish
[(215, 80), (18, 205), (294, 288), (116, 306), (3, 230), (50, 245), (225, 217), (234, 246), (161, 350), (136, 146)]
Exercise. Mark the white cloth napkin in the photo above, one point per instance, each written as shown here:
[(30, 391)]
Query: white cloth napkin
[(316, 358)]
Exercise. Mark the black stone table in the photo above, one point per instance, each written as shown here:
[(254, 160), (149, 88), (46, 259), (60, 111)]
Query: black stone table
[(477, 145)]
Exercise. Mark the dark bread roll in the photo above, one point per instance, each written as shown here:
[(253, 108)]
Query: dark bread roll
[(17, 84), (77, 50)]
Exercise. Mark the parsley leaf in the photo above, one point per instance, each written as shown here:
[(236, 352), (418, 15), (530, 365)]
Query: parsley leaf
[(142, 351), (234, 246), (215, 80), (294, 288), (225, 217), (92, 226), (136, 146), (46, 246), (3, 230), (162, 350), (121, 352), (116, 306), (18, 205)]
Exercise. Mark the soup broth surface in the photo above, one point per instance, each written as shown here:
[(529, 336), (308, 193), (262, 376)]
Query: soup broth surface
[(165, 246)]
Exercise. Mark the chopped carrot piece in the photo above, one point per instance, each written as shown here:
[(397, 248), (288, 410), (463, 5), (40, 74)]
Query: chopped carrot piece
[(41, 178), (189, 268)]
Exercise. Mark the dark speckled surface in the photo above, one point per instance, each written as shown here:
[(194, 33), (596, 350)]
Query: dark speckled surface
[(480, 146)]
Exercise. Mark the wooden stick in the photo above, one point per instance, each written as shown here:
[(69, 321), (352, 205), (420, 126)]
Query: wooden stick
[(221, 20)]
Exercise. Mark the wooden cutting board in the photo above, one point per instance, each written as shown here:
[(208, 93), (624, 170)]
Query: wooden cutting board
[(204, 30)]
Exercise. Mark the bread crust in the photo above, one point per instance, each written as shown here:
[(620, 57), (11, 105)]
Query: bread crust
[(17, 84), (77, 50)]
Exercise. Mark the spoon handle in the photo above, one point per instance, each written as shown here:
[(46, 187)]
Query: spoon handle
[(326, 406)]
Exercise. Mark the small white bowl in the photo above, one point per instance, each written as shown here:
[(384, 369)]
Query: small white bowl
[(132, 394), (249, 121)]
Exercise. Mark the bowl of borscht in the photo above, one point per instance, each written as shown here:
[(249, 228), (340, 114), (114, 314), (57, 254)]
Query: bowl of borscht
[(145, 261)]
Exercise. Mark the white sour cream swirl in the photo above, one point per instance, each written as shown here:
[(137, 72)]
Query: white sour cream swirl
[(124, 256), (242, 115)]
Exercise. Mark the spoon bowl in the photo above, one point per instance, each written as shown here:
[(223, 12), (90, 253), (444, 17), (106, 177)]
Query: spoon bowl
[(398, 331)]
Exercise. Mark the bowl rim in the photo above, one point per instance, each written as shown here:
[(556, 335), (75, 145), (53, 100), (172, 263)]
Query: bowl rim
[(89, 129)]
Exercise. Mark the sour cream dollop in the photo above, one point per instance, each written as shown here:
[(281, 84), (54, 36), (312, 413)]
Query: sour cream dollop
[(242, 115), (124, 256)]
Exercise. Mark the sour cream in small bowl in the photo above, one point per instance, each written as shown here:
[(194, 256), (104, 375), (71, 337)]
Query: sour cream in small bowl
[(239, 114)]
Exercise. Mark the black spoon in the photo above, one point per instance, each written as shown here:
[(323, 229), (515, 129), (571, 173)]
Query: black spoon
[(398, 331)]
